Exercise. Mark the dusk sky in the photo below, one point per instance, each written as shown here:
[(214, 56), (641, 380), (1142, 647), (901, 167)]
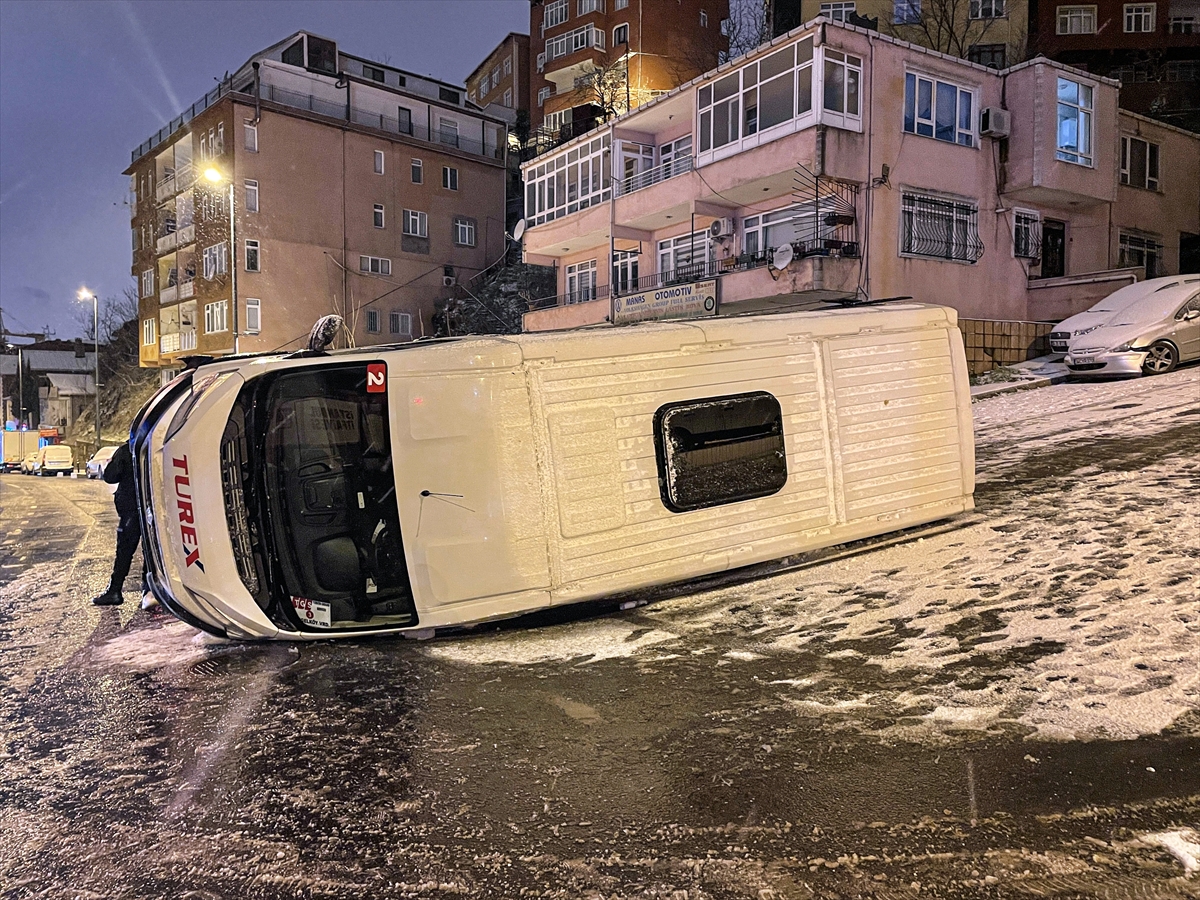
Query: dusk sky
[(83, 83)]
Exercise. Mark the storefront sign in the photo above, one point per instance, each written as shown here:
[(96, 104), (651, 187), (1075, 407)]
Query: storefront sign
[(679, 301)]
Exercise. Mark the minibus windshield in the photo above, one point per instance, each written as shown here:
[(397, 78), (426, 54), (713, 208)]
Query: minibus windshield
[(330, 499)]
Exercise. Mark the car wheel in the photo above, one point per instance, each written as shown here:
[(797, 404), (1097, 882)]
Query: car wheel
[(1162, 358)]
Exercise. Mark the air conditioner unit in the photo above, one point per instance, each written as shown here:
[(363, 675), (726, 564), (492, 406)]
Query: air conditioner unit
[(721, 228), (449, 281), (995, 122)]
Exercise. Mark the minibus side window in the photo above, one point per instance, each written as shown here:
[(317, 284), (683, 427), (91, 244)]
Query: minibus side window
[(719, 450)]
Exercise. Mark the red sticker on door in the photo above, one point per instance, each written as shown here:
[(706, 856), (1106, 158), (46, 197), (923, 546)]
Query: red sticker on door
[(376, 378)]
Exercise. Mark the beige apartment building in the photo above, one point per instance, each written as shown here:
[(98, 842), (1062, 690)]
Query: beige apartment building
[(500, 84), (311, 182), (595, 58), (881, 169)]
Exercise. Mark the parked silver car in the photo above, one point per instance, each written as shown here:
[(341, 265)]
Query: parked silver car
[(1148, 337), (1090, 319)]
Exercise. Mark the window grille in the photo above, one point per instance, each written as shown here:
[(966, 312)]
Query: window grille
[(940, 229)]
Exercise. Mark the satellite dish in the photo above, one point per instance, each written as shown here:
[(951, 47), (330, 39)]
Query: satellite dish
[(519, 230), (782, 257)]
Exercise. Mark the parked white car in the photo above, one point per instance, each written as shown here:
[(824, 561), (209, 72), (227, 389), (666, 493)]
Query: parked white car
[(95, 465), (1150, 336), (1082, 323), (53, 459)]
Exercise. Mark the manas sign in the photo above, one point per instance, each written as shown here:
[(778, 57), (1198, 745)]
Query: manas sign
[(680, 301)]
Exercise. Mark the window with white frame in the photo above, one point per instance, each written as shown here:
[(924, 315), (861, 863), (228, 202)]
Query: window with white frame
[(250, 136), (378, 162), (507, 66), (253, 315), (556, 12), (450, 178), (768, 92), (939, 109), (251, 196), (1182, 25), (376, 265), (252, 260), (940, 228), (400, 322), (543, 94), (703, 19), (625, 271), (218, 146), (1139, 17), (987, 9), (566, 183), (581, 281), (843, 75), (620, 4), (448, 131), (495, 75), (837, 11), (373, 321), (1074, 122), (417, 171), (1076, 19), (1027, 233), (464, 231), (590, 6), (1140, 250), (906, 12), (508, 98), (621, 35), (216, 316), (798, 223), (216, 260), (136, 240), (579, 39), (1139, 163), (416, 223), (377, 217), (685, 257), (149, 329)]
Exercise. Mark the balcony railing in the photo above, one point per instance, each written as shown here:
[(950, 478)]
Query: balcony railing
[(169, 294), (187, 339), (166, 242), (179, 180), (164, 133), (662, 172), (187, 289), (169, 343), (185, 235)]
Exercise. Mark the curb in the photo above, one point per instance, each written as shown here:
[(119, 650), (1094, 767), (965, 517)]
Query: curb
[(983, 391)]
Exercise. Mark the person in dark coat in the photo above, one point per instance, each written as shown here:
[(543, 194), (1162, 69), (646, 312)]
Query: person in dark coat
[(119, 471)]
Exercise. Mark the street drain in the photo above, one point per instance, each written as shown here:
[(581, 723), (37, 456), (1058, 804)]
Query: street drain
[(208, 667)]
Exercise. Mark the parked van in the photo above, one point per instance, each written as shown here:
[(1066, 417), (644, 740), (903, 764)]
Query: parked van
[(53, 459), (438, 483)]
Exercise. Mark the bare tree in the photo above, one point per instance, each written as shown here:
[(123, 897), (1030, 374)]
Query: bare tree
[(947, 25), (746, 27)]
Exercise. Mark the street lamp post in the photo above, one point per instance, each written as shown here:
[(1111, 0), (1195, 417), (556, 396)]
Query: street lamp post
[(85, 294), (216, 177)]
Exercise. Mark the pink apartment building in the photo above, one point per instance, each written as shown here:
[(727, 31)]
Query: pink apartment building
[(1018, 195)]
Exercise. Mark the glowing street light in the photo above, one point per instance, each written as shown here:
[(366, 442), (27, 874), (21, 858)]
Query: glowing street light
[(85, 294), (214, 176)]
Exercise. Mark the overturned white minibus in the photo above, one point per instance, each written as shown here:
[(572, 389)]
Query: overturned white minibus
[(442, 483)]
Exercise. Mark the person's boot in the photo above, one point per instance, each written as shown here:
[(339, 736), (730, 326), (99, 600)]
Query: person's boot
[(111, 597)]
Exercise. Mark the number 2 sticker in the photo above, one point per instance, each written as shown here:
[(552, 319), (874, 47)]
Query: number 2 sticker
[(376, 378)]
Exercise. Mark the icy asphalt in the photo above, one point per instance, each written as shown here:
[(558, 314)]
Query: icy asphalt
[(1004, 705)]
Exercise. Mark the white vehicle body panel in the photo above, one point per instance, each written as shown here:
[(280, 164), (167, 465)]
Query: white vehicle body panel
[(1154, 317), (1103, 312), (525, 465)]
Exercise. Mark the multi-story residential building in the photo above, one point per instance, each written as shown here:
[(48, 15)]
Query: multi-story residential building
[(501, 81), (1152, 47), (596, 58), (341, 185), (993, 33), (865, 167)]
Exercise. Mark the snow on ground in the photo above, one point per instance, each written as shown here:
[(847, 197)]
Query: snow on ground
[(1067, 605)]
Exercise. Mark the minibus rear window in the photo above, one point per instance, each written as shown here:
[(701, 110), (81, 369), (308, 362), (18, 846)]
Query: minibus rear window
[(719, 450)]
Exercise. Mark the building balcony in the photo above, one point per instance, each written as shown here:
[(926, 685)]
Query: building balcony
[(172, 184), (185, 235), (167, 243), (187, 289), (169, 343), (659, 173), (187, 339), (169, 294), (178, 341)]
